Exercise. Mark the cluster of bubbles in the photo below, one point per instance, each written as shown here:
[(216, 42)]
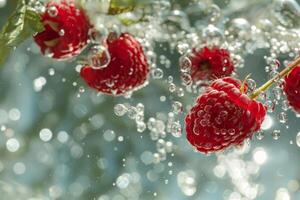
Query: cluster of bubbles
[(199, 23), (159, 127)]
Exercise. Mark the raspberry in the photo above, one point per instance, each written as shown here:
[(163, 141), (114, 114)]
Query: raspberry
[(66, 30), (292, 88), (223, 116), (127, 70), (210, 63)]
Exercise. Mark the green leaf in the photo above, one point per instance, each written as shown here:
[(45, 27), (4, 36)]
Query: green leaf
[(122, 6), (22, 24)]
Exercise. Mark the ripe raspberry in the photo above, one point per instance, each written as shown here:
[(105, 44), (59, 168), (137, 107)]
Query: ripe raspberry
[(66, 30), (292, 88), (127, 70), (210, 63), (223, 116)]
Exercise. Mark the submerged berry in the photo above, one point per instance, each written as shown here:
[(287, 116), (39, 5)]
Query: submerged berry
[(65, 30), (223, 116), (127, 70)]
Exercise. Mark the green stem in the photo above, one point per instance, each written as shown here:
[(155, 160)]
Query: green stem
[(282, 74)]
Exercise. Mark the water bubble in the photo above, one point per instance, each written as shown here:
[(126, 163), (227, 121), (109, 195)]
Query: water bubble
[(14, 114), (277, 91), (239, 28), (186, 182), (160, 145), (276, 134), (12, 145), (109, 135), (45, 134), (61, 32), (98, 57), (259, 155), (251, 85), (176, 129), (212, 35), (156, 158), (19, 168), (270, 106), (120, 109), (170, 79), (286, 11), (186, 79), (51, 71), (151, 124), (177, 107), (62, 136), (260, 135), (185, 64), (132, 112), (180, 92), (265, 24), (282, 117), (176, 21), (285, 105), (169, 146), (140, 108), (39, 83), (183, 47), (215, 12), (141, 127), (172, 87), (298, 139), (157, 73), (98, 34), (267, 123), (52, 11)]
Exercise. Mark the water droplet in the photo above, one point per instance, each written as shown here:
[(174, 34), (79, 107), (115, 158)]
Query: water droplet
[(172, 87), (177, 107), (282, 117), (46, 135), (212, 35), (186, 79), (176, 129), (52, 11), (98, 57), (185, 64), (12, 145), (157, 73), (120, 109), (298, 139), (276, 134), (260, 135)]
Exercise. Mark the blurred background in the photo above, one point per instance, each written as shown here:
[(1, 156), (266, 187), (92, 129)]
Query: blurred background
[(59, 139)]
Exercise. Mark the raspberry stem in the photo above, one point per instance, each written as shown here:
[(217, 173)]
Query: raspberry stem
[(270, 82)]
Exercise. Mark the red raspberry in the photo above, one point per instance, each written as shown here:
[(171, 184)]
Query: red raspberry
[(223, 116), (292, 88), (66, 30), (127, 70), (210, 63)]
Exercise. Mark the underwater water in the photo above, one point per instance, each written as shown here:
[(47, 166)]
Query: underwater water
[(61, 139)]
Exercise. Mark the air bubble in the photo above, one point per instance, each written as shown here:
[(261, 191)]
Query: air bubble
[(98, 57), (120, 109), (177, 107), (282, 117), (276, 134), (52, 11), (157, 73)]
